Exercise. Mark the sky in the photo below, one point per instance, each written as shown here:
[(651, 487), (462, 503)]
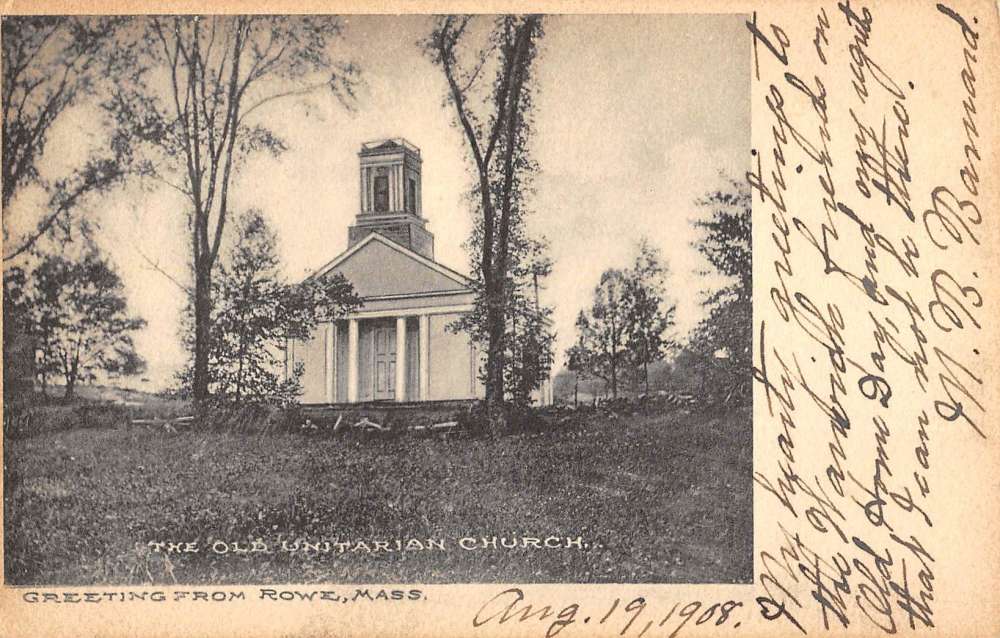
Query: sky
[(636, 117)]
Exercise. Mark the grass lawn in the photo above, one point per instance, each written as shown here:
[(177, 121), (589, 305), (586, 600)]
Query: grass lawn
[(656, 498)]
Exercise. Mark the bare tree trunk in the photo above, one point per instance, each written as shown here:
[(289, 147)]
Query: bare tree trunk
[(515, 58), (72, 372), (202, 329), (70, 392), (239, 378), (494, 370), (239, 370), (645, 370), (614, 379)]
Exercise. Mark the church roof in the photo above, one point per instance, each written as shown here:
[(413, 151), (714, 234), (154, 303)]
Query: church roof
[(378, 267), (377, 147)]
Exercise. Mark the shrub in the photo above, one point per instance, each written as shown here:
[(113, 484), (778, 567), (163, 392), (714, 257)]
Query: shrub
[(60, 418), (251, 417), (520, 417)]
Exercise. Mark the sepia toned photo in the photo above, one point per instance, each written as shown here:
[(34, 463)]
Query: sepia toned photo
[(396, 299), (561, 319)]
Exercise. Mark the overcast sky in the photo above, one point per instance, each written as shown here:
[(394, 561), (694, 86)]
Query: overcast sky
[(636, 117)]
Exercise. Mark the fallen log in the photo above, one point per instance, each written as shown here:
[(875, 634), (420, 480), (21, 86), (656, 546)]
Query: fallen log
[(364, 423), (447, 425)]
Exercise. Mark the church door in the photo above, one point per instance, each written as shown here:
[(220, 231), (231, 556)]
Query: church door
[(385, 362)]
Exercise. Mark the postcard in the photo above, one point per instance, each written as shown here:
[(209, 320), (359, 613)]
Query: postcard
[(518, 319)]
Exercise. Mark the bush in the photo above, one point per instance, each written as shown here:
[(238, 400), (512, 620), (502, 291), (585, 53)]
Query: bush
[(473, 419), (60, 418), (16, 423), (520, 417), (101, 415), (258, 418)]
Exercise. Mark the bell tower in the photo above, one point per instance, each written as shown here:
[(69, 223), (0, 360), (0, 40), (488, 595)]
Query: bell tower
[(391, 196)]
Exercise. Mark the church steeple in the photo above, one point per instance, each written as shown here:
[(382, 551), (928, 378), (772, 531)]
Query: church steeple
[(391, 196)]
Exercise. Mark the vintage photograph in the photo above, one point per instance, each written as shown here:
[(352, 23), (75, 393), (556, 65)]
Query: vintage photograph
[(376, 299)]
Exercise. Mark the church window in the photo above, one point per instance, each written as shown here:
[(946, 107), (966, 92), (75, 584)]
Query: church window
[(381, 194)]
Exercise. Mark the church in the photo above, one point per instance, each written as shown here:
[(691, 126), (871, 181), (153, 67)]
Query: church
[(397, 345)]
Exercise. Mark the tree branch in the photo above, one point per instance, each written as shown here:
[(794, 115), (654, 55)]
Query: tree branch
[(277, 96), (156, 266)]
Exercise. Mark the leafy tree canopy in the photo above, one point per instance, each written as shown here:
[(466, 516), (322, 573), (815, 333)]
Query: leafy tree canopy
[(256, 312), (81, 320)]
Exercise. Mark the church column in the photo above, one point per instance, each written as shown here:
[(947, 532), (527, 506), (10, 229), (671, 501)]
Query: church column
[(401, 198), (352, 361), (364, 190), (394, 189), (424, 342), (399, 193), (391, 176), (401, 358), (367, 204), (331, 345)]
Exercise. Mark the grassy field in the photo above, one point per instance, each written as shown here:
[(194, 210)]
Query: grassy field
[(656, 498)]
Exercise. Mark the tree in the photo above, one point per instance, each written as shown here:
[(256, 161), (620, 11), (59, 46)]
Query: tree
[(82, 321), (626, 326), (495, 117), (193, 115), (649, 316), (19, 369), (528, 338), (579, 355), (49, 63), (723, 340), (603, 331), (256, 312)]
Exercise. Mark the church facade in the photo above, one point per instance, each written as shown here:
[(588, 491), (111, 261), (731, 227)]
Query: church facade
[(397, 345)]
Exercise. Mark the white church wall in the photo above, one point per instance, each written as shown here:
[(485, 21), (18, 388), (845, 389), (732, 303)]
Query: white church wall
[(451, 361), (312, 354)]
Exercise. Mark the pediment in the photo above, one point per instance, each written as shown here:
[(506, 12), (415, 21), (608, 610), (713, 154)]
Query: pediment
[(378, 267)]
